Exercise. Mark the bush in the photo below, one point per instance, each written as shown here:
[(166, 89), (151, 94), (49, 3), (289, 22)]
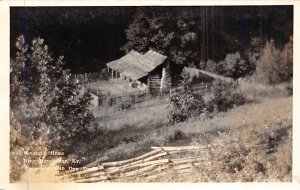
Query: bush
[(224, 96), (275, 66), (233, 66), (176, 136), (184, 105)]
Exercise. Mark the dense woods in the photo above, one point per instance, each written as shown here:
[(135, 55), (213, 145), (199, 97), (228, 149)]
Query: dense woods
[(187, 34)]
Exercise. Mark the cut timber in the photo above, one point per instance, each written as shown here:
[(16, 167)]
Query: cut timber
[(200, 150), (155, 156), (177, 148), (146, 159), (188, 160), (120, 163), (140, 171), (92, 180), (91, 170), (96, 162), (96, 174), (161, 174), (159, 169), (130, 168), (186, 170), (185, 166)]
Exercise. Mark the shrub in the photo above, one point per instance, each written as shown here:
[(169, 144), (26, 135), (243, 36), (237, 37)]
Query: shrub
[(233, 66), (176, 136), (224, 96), (125, 104), (275, 66), (184, 105)]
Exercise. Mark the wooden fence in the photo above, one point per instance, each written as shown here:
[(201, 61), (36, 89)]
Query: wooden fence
[(106, 99), (159, 162), (151, 165)]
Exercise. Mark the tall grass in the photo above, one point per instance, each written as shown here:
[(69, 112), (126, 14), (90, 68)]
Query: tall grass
[(256, 91)]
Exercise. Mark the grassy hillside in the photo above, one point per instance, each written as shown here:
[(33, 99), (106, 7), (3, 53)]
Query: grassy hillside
[(262, 131)]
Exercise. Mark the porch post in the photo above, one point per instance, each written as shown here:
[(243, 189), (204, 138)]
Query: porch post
[(117, 75)]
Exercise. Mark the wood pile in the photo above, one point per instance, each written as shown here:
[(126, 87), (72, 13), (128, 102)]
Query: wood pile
[(151, 165)]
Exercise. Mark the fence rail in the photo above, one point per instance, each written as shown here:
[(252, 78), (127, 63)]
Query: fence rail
[(158, 162), (106, 99), (148, 165)]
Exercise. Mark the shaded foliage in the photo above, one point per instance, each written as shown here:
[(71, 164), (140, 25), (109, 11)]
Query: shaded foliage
[(45, 102), (224, 96), (233, 66), (176, 39), (275, 66), (76, 32), (186, 104)]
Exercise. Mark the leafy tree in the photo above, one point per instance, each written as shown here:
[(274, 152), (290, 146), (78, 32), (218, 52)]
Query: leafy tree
[(254, 52), (275, 65), (177, 39), (232, 66), (235, 66), (45, 102), (287, 61)]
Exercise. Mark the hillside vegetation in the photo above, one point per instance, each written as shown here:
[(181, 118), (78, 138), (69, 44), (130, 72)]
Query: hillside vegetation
[(251, 142), (244, 122)]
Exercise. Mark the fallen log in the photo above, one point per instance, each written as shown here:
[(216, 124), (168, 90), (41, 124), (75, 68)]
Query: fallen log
[(120, 163)]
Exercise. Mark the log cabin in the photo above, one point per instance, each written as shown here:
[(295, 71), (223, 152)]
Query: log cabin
[(144, 71)]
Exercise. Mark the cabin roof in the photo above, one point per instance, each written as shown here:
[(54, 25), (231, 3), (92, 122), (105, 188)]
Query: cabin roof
[(135, 65)]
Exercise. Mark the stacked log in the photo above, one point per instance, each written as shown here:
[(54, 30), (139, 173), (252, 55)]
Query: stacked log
[(150, 165)]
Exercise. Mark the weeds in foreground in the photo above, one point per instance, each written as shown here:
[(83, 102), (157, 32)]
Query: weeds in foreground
[(247, 156)]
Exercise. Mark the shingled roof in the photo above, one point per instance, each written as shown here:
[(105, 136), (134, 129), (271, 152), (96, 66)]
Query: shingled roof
[(135, 65)]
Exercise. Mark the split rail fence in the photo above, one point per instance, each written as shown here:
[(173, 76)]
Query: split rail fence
[(151, 165), (159, 162)]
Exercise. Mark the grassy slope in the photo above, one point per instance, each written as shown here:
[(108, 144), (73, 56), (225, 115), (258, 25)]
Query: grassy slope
[(146, 124), (244, 126)]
